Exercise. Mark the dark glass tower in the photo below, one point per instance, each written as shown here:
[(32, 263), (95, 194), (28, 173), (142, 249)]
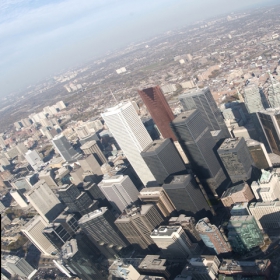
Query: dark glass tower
[(81, 261), (203, 101), (163, 159), (186, 196), (196, 141), (159, 109)]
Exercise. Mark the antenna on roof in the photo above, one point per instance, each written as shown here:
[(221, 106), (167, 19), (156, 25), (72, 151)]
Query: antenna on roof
[(113, 96)]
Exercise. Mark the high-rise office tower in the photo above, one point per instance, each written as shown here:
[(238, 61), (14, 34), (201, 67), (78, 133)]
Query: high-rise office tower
[(92, 147), (195, 138), (20, 267), (159, 109), (99, 226), (254, 99), (163, 159), (62, 229), (188, 224), (158, 197), (119, 191), (137, 223), (34, 159), (33, 230), (173, 242), (132, 137), (244, 233), (236, 194), (267, 214), (45, 202), (76, 201), (274, 93), (212, 237), (259, 154), (80, 261), (19, 198), (236, 159), (186, 195), (269, 121), (203, 101), (267, 188), (90, 164), (64, 148)]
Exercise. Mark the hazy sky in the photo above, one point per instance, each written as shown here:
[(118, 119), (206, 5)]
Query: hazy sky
[(40, 37)]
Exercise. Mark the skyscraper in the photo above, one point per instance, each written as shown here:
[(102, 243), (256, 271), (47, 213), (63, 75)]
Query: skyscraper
[(132, 137), (99, 226), (80, 261), (62, 229), (91, 147), (195, 138), (269, 121), (259, 154), (163, 159), (188, 224), (20, 266), (76, 201), (236, 159), (274, 93), (159, 109), (267, 188), (254, 101), (137, 223), (45, 202), (212, 237), (33, 159), (119, 191), (158, 197), (186, 195), (64, 148), (203, 101), (33, 230), (244, 233), (267, 214), (173, 242)]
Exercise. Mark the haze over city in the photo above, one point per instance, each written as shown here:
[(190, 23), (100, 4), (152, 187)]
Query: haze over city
[(140, 140), (40, 38)]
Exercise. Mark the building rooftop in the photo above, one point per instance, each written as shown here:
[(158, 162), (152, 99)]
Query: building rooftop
[(244, 266), (93, 214), (180, 219), (177, 179), (69, 249), (193, 92), (234, 189), (184, 116), (265, 204), (152, 262), (230, 143), (265, 177), (151, 191), (88, 144), (134, 211), (204, 225), (155, 145), (166, 230)]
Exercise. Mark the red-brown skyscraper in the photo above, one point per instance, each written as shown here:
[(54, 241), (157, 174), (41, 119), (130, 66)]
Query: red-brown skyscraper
[(159, 110)]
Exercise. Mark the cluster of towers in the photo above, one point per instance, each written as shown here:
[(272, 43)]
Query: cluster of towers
[(195, 161)]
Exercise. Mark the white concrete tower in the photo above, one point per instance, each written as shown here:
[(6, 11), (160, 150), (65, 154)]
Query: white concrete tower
[(131, 135)]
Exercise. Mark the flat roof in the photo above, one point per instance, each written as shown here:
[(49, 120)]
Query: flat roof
[(184, 116), (165, 230), (155, 145), (152, 262), (233, 190), (93, 214), (230, 143)]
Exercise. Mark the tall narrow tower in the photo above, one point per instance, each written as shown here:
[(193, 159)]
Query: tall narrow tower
[(159, 109), (198, 144), (132, 137), (203, 101)]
